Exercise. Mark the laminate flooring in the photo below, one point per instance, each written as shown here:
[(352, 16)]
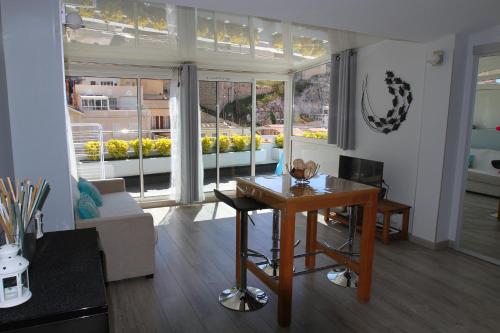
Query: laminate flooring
[(480, 227), (414, 289)]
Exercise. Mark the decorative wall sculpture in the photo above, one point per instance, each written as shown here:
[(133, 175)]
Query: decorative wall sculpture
[(396, 114)]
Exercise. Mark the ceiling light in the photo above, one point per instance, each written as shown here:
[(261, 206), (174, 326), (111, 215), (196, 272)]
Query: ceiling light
[(226, 21), (243, 25)]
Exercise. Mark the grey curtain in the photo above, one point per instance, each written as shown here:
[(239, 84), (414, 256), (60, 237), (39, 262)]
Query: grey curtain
[(342, 100), (187, 171)]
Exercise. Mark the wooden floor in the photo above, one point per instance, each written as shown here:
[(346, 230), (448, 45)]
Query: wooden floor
[(480, 227), (414, 289)]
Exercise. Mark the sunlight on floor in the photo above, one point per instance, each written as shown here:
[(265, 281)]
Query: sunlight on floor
[(205, 212)]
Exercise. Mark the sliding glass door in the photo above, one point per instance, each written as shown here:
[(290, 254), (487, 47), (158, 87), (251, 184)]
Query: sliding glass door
[(121, 128), (242, 129), (226, 130), (156, 139)]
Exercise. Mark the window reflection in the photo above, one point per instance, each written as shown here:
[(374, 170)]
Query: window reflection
[(309, 42), (232, 33), (268, 38), (123, 23)]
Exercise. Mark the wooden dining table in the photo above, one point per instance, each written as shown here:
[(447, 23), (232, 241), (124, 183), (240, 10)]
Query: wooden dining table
[(323, 191)]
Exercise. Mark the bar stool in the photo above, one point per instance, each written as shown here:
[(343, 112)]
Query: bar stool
[(344, 276), (272, 267), (241, 297)]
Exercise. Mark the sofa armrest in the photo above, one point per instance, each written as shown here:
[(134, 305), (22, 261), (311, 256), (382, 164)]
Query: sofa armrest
[(109, 185), (113, 220), (128, 244)]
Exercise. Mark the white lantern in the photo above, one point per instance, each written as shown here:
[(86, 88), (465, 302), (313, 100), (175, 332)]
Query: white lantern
[(14, 281)]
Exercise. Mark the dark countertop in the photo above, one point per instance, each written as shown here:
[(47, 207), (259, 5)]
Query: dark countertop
[(66, 281)]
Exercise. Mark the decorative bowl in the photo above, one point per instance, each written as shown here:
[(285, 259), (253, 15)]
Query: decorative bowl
[(303, 175)]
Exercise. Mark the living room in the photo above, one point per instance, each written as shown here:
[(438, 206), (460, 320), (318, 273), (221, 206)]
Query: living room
[(181, 115)]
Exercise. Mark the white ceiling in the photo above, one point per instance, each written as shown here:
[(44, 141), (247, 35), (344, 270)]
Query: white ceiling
[(414, 20)]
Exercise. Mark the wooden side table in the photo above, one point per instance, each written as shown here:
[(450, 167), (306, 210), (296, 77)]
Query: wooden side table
[(388, 208)]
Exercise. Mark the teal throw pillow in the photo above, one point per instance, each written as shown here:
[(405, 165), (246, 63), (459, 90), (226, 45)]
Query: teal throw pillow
[(471, 160), (86, 187), (87, 208)]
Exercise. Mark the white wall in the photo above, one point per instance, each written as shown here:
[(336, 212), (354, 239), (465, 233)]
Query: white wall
[(35, 84), (398, 150), (432, 141), (6, 164), (412, 154)]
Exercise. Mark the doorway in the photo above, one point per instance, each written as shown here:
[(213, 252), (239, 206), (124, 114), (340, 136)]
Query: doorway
[(479, 232), (243, 127), (226, 113)]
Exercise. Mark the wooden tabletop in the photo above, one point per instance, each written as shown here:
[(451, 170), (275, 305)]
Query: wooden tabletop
[(285, 187)]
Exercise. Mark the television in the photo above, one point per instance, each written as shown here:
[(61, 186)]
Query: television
[(360, 170)]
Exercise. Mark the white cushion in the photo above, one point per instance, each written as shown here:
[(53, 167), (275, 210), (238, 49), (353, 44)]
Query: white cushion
[(119, 204)]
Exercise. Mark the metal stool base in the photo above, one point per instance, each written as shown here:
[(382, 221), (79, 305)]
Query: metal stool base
[(243, 301), (343, 277)]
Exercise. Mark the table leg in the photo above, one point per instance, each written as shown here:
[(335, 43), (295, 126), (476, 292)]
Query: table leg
[(286, 267), (238, 250), (406, 222), (385, 230), (366, 251), (312, 226), (238, 245)]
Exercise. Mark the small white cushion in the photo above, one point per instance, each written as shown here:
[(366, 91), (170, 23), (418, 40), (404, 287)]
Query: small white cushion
[(119, 204)]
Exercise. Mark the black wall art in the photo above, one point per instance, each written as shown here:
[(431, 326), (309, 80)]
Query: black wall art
[(402, 97)]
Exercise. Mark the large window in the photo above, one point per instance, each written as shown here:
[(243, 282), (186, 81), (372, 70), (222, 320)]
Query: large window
[(311, 99), (107, 133), (226, 122)]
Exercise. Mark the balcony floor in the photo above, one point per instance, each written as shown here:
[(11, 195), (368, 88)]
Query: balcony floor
[(159, 184)]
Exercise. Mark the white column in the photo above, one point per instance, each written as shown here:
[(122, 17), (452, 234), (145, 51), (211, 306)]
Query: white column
[(31, 32), (6, 164)]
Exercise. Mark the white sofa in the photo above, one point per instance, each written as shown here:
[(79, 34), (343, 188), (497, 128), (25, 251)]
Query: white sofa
[(482, 177), (126, 233)]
